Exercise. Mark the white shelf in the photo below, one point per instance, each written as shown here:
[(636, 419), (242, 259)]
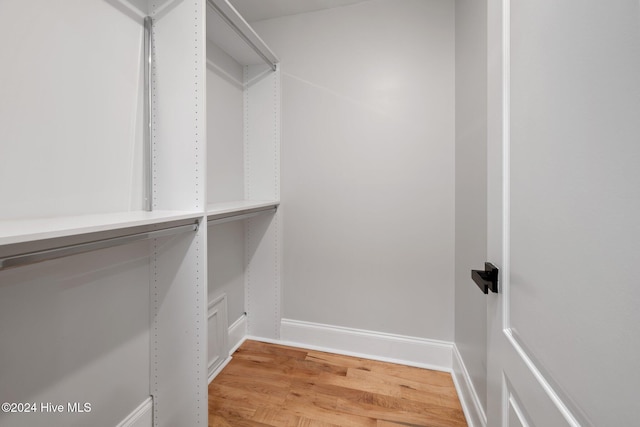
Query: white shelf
[(31, 230), (229, 30), (224, 210)]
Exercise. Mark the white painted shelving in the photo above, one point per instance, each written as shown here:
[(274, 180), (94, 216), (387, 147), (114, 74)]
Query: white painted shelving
[(72, 175)]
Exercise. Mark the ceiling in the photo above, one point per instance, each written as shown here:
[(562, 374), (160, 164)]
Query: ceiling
[(256, 10)]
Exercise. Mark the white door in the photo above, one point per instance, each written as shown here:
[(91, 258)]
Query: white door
[(564, 212)]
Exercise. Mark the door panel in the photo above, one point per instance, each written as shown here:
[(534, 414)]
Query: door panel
[(526, 391), (515, 417), (564, 150), (575, 190)]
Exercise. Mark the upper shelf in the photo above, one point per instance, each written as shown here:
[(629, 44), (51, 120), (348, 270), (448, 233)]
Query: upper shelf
[(29, 241), (229, 30), (224, 211), (31, 230)]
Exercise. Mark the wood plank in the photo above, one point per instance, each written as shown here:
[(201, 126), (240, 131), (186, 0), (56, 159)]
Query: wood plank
[(394, 410), (309, 403), (378, 406), (408, 389), (229, 412), (275, 416), (426, 376), (384, 423), (306, 422), (244, 396), (271, 349), (279, 386)]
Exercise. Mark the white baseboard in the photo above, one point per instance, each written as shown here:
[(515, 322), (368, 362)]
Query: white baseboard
[(142, 416), (218, 369), (412, 351), (473, 411), (237, 333)]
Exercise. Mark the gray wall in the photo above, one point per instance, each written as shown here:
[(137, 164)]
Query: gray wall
[(54, 85), (368, 165), (66, 325), (471, 187), (225, 175)]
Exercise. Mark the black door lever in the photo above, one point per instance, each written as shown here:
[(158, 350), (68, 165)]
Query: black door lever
[(487, 279)]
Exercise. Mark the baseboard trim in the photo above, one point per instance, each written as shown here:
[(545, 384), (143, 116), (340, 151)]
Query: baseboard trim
[(411, 351), (219, 369), (142, 416), (237, 333), (473, 411)]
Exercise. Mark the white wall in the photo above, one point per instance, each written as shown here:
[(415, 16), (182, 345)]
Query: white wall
[(76, 329), (225, 156), (368, 165), (225, 177), (226, 264), (471, 188), (72, 136)]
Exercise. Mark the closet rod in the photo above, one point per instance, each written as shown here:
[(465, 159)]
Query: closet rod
[(240, 216), (148, 99), (229, 14), (75, 249)]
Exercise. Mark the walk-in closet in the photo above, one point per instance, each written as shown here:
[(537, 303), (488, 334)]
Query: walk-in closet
[(320, 187)]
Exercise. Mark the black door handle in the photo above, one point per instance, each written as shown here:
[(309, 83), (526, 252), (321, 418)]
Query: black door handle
[(487, 279)]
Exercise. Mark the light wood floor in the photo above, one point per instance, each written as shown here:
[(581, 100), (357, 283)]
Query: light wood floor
[(273, 385)]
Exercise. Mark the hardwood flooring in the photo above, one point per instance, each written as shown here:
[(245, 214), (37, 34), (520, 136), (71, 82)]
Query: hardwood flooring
[(272, 385)]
